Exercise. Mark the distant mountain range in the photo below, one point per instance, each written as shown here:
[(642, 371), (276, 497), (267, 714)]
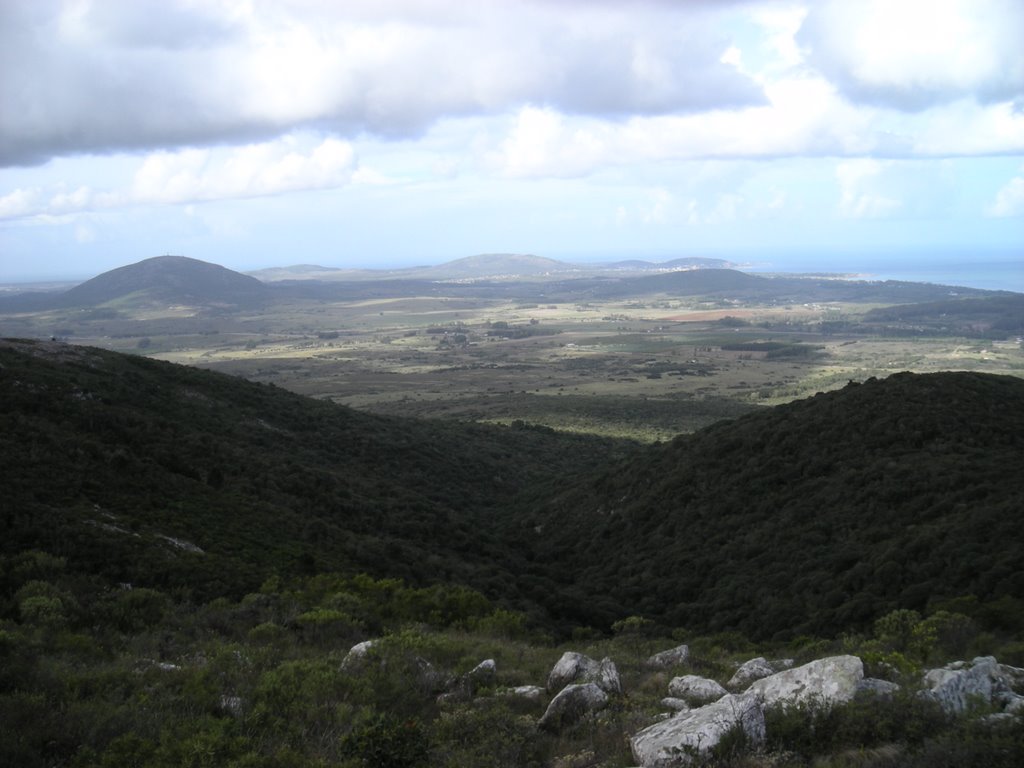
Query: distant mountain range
[(194, 287), (490, 266)]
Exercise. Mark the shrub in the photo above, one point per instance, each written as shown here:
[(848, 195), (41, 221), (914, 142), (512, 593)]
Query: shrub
[(388, 742)]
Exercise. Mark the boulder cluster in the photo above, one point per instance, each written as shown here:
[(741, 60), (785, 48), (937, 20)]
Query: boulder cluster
[(702, 712)]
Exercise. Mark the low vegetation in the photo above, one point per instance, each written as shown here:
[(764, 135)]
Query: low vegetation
[(99, 674)]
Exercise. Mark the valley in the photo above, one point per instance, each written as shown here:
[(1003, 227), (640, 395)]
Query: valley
[(510, 522)]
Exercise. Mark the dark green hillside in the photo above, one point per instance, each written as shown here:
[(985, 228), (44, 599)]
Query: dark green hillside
[(813, 517), (108, 458), (167, 279), (810, 518), (998, 316)]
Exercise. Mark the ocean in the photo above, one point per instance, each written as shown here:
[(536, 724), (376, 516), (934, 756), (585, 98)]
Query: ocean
[(1002, 272)]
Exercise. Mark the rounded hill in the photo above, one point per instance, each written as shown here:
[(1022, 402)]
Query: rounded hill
[(169, 280)]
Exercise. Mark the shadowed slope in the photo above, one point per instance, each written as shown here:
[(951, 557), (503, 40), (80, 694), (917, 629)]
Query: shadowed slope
[(812, 517)]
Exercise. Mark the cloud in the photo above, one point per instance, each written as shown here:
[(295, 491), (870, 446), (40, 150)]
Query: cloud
[(1009, 200), (858, 197), (192, 175), (543, 143), (913, 54), (99, 77)]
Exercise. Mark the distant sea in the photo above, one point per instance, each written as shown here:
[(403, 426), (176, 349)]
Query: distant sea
[(991, 272)]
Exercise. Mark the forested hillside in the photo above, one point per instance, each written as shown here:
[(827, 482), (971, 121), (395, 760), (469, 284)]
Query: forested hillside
[(809, 518), (129, 467), (812, 517)]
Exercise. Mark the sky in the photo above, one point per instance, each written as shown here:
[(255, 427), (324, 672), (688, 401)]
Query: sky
[(379, 133)]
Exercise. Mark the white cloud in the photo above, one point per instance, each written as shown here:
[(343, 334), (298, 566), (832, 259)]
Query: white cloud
[(1009, 200), (20, 202), (192, 175), (859, 198), (80, 77), (543, 143), (912, 54)]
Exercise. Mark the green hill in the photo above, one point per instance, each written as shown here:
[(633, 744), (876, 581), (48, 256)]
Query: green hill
[(167, 280), (127, 466), (809, 518)]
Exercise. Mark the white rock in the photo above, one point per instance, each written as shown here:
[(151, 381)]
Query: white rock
[(696, 689), (688, 737), (828, 681), (1014, 674), (881, 689), (572, 704), (1013, 703), (749, 671), (531, 692), (676, 705), (956, 686), (576, 668), (357, 653), (483, 673), (670, 658)]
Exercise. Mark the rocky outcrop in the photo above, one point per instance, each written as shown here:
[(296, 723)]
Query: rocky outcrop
[(576, 668), (695, 690), (530, 692), (960, 685), (688, 737), (357, 654), (482, 675), (675, 705), (881, 689), (572, 704), (670, 658), (825, 682), (749, 671)]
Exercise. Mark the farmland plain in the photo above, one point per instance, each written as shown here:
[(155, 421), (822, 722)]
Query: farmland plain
[(645, 367)]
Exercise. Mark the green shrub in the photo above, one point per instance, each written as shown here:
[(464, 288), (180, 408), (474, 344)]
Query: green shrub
[(484, 734), (388, 742), (812, 729)]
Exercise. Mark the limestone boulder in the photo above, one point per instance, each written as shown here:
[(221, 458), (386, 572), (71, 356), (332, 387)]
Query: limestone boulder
[(670, 658), (571, 705), (1013, 703), (675, 705), (827, 682), (529, 692), (695, 690), (687, 738), (880, 689), (574, 667), (357, 654), (749, 671), (1015, 675), (482, 675), (958, 686)]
